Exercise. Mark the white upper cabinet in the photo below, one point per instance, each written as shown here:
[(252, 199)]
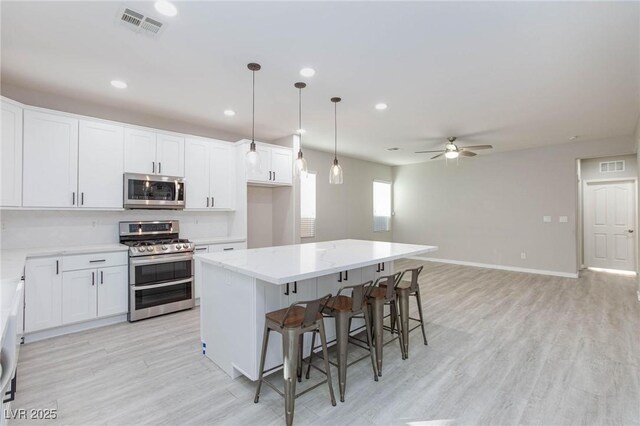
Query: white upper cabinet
[(100, 165), (50, 163), (210, 174), (11, 153), (282, 165), (222, 176), (276, 166), (170, 155), (153, 153), (140, 151)]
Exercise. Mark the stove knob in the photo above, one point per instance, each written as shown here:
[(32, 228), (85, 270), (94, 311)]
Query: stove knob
[(177, 246), (140, 249), (164, 247), (150, 248), (185, 246)]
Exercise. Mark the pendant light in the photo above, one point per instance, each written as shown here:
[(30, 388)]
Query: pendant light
[(252, 157), (335, 173), (300, 165)]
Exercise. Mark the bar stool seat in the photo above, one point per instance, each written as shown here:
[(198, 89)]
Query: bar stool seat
[(340, 303), (293, 319)]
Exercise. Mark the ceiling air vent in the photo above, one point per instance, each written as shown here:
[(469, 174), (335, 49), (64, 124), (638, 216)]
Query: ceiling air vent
[(140, 23)]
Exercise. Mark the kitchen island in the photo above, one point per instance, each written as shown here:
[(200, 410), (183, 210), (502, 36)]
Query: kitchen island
[(239, 287)]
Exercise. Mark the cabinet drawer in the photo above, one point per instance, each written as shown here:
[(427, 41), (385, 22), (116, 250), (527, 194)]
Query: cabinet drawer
[(224, 247), (96, 260)]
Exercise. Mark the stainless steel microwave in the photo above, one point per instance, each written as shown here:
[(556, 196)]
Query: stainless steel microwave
[(153, 192)]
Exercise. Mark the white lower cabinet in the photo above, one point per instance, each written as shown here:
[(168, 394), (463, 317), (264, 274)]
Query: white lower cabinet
[(201, 249), (79, 296), (113, 290), (43, 293)]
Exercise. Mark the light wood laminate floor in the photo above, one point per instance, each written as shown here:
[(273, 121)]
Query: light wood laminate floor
[(505, 348)]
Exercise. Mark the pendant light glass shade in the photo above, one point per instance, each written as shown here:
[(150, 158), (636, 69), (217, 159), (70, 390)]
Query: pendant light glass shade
[(335, 173), (300, 165), (252, 157)]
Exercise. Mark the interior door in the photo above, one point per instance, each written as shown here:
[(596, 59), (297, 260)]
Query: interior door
[(197, 174), (609, 226), (140, 151), (222, 176), (11, 158), (100, 165), (50, 174)]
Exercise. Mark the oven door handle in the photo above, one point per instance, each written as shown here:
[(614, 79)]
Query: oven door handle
[(162, 258), (170, 283)]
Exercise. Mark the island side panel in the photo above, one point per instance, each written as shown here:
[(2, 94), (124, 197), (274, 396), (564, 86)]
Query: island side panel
[(228, 313)]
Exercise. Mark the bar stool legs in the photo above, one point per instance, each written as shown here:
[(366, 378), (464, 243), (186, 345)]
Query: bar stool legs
[(419, 300), (377, 314), (263, 355), (403, 301), (342, 340)]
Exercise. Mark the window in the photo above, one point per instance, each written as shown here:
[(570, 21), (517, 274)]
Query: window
[(381, 206), (612, 166), (308, 206)]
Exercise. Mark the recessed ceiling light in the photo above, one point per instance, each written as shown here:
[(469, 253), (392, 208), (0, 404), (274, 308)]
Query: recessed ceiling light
[(393, 149), (301, 131), (381, 106), (119, 84), (229, 112), (573, 138), (307, 72), (166, 8)]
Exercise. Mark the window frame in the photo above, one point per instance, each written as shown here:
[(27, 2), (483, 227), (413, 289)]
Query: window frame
[(373, 197)]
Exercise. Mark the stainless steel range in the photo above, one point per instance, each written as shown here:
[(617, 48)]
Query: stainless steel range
[(160, 268)]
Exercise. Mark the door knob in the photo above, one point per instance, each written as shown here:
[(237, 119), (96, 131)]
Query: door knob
[(630, 231)]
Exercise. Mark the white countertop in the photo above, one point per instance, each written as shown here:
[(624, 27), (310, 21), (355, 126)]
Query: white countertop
[(283, 264)]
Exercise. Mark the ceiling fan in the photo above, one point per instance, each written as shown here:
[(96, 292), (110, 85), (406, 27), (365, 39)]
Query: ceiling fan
[(451, 150)]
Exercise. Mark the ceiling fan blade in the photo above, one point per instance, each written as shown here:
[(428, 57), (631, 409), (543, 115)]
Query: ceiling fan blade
[(476, 147), (422, 152), (466, 153), (439, 155)]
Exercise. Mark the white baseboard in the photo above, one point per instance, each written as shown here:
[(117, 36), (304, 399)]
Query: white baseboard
[(73, 328), (500, 267)]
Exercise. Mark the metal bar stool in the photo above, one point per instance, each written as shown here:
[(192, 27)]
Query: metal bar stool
[(344, 309), (404, 289), (382, 293), (292, 323)]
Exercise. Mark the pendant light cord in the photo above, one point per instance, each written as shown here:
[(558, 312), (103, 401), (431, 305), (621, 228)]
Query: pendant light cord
[(300, 118), (335, 123), (253, 107)]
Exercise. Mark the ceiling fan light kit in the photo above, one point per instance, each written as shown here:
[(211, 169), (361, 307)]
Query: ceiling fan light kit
[(452, 151)]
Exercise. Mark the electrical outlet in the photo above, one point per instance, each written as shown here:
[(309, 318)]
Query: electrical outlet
[(523, 255)]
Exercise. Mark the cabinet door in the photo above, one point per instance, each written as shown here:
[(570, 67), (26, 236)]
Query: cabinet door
[(329, 284), (113, 290), (100, 165), (43, 294), (79, 296), (170, 155), (50, 174), (197, 174), (222, 176), (139, 151), (282, 165), (11, 161), (264, 172)]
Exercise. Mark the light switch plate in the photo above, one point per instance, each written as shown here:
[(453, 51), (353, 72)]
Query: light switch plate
[(564, 219), (546, 219)]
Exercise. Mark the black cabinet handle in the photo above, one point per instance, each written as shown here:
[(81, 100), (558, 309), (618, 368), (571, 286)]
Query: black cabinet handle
[(269, 174), (383, 266), (101, 277), (93, 278), (97, 260), (213, 201), (159, 167), (378, 268), (207, 201), (227, 249), (286, 292), (82, 198), (346, 275), (153, 167), (200, 248), (73, 199), (340, 279), (295, 287), (57, 267), (274, 176)]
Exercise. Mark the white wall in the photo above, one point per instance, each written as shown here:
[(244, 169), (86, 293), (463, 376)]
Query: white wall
[(29, 229), (259, 217), (489, 208)]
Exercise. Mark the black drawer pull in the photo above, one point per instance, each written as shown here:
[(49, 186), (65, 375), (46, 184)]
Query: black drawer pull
[(227, 249), (287, 290), (98, 261), (346, 275), (295, 287)]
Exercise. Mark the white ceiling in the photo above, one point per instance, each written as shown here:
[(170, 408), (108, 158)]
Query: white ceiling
[(515, 75)]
